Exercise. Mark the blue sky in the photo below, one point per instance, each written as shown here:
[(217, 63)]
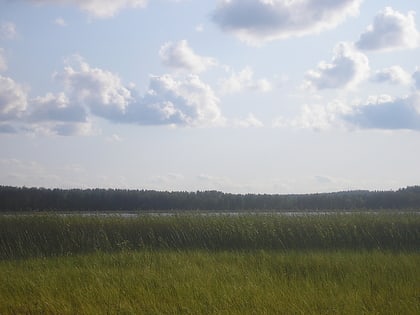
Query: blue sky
[(275, 96)]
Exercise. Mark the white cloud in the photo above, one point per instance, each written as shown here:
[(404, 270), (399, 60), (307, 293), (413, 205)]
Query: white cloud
[(390, 30), (7, 30), (173, 101), (100, 90), (244, 80), (180, 56), (393, 75), (168, 101), (97, 8), (3, 63), (256, 21), (47, 115), (96, 92), (13, 99), (347, 68)]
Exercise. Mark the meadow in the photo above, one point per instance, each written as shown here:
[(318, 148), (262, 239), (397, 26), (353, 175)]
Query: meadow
[(199, 264)]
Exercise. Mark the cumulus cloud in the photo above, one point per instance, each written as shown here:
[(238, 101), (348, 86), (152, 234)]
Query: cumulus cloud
[(100, 90), (3, 63), (244, 80), (390, 30), (169, 100), (347, 68), (7, 30), (90, 92), (97, 8), (13, 99), (180, 56), (256, 21), (393, 75)]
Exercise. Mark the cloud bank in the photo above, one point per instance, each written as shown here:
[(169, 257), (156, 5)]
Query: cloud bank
[(94, 92), (257, 21)]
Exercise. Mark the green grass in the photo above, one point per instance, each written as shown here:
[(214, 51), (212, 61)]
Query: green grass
[(46, 235), (186, 264), (223, 282)]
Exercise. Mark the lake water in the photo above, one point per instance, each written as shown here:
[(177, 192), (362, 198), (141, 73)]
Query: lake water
[(128, 214)]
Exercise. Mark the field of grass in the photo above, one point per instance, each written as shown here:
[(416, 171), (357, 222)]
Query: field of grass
[(248, 264), (222, 282), (47, 235)]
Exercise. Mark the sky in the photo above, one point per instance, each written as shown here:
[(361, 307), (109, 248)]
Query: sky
[(241, 96)]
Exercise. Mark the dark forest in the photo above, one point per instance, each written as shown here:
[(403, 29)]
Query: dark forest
[(21, 199)]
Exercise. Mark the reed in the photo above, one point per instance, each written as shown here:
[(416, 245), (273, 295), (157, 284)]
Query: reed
[(52, 235)]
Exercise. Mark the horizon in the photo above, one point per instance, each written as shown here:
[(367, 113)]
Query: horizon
[(210, 191)]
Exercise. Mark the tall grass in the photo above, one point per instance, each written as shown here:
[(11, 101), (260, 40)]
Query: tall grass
[(46, 235), (213, 282), (195, 264)]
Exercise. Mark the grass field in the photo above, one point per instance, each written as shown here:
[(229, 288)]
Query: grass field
[(348, 264), (202, 282)]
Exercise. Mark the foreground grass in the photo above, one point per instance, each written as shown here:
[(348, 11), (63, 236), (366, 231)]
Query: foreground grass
[(247, 264), (213, 282)]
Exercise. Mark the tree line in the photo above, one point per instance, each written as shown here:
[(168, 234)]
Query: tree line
[(43, 199)]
